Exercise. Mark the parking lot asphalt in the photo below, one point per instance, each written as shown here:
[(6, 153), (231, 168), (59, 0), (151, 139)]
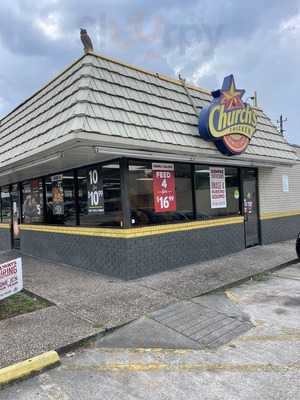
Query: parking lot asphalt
[(261, 363), (85, 303)]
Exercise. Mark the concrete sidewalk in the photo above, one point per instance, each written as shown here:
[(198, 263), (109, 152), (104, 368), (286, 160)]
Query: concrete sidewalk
[(138, 363), (86, 303), (199, 279)]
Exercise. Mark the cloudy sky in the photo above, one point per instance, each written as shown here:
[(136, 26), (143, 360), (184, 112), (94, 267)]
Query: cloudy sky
[(258, 41)]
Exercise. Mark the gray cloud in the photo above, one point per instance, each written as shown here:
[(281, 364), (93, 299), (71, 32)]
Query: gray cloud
[(203, 40)]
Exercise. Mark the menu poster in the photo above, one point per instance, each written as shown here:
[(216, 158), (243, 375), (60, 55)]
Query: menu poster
[(95, 191), (57, 195), (32, 201), (164, 187), (217, 187)]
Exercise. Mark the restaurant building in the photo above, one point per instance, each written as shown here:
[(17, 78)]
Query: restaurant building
[(109, 167)]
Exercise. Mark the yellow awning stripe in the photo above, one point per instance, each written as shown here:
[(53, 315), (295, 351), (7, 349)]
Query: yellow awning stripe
[(4, 226), (148, 230), (133, 232), (279, 214)]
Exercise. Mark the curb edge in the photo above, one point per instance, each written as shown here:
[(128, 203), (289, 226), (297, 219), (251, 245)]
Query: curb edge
[(247, 278), (28, 367)]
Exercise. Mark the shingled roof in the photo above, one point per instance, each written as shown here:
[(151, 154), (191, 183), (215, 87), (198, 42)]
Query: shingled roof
[(98, 95)]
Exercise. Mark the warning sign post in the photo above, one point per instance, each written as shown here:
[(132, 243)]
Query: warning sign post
[(11, 279)]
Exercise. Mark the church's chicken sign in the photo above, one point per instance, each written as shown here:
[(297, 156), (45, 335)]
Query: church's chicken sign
[(228, 121)]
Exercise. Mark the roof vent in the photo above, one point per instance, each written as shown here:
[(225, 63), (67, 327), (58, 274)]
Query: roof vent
[(86, 41)]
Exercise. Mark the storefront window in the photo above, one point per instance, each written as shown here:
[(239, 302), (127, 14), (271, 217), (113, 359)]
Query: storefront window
[(216, 191), (5, 205), (99, 195), (60, 197), (33, 204), (160, 192)]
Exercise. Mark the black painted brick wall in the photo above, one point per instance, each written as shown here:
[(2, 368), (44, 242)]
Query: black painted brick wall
[(103, 255), (132, 258), (150, 254), (279, 229), (5, 239)]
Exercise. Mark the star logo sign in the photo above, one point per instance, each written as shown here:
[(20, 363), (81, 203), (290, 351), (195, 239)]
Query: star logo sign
[(228, 121), (231, 97)]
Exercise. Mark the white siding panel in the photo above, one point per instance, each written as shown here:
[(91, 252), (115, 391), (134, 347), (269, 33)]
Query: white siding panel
[(272, 196)]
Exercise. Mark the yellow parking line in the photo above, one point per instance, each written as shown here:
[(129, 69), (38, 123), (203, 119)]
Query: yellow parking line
[(271, 338), (232, 296), (200, 367)]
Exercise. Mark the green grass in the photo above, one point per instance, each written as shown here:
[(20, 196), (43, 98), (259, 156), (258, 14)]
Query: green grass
[(98, 326), (20, 303), (263, 276)]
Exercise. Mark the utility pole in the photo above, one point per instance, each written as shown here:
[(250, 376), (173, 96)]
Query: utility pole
[(254, 99), (281, 122)]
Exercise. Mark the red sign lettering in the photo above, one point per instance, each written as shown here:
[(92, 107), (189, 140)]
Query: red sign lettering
[(164, 187)]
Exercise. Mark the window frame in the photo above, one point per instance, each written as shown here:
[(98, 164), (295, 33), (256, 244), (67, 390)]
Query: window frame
[(72, 170), (9, 186), (64, 171), (101, 164), (238, 175), (124, 163), (22, 198), (143, 160)]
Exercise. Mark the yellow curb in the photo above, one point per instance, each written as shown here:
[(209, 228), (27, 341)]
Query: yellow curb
[(28, 367)]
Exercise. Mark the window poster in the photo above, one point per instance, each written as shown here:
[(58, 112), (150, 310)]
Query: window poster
[(164, 187), (32, 204), (217, 187), (57, 195), (95, 191), (5, 195)]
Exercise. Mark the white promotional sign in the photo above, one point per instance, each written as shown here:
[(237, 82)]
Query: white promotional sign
[(11, 280), (217, 187), (285, 183)]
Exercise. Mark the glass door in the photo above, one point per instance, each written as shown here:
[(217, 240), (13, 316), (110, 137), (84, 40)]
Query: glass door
[(250, 205), (16, 216)]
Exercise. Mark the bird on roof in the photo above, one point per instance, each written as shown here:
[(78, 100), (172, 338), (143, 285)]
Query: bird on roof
[(86, 41)]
